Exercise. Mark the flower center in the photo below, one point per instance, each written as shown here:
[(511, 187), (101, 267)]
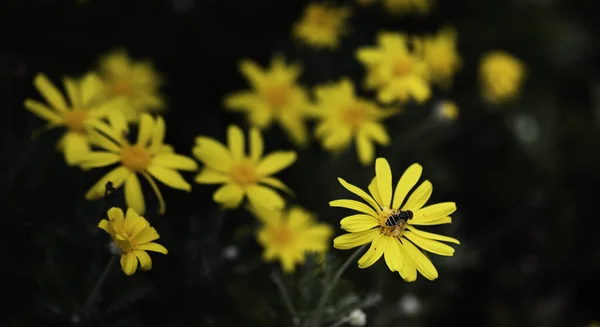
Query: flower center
[(244, 174), (282, 236), (354, 116), (393, 222), (135, 158), (74, 120), (126, 243), (277, 97), (122, 88), (402, 67)]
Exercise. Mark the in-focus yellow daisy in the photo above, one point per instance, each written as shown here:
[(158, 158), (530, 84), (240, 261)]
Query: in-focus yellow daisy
[(288, 235), (397, 72), (396, 7), (322, 25), (447, 110), (136, 81), (501, 76), (275, 97), (387, 222), (344, 117), (86, 103), (133, 235), (148, 157), (441, 55), (242, 175)]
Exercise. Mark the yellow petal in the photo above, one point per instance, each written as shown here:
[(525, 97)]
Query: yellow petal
[(432, 235), (365, 149), (147, 235), (144, 258), (254, 73), (374, 190), (73, 92), (392, 255), (229, 195), (43, 112), (408, 180), (239, 101), (362, 194), (434, 211), (209, 176), (376, 132), (155, 247), (75, 147), (213, 154), (260, 195), (358, 223), (294, 126), (103, 224), (274, 182), (117, 176), (117, 219), (134, 223), (129, 263), (161, 201), (384, 180), (169, 177), (256, 145), (158, 135), (133, 194), (354, 205), (96, 138), (50, 92), (118, 122), (408, 271), (145, 128), (434, 221), (423, 264), (352, 240), (175, 161), (369, 55), (92, 88), (374, 252), (429, 245), (276, 162), (419, 197), (99, 159), (236, 142)]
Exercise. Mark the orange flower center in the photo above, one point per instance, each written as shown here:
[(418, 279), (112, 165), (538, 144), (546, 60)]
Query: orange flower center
[(74, 120), (282, 236), (403, 67), (244, 174), (390, 222), (277, 97), (354, 116), (122, 88), (135, 158)]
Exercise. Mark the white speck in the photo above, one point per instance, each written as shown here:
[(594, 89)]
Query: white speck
[(357, 318), (114, 249), (527, 128), (75, 319), (230, 252), (410, 304)]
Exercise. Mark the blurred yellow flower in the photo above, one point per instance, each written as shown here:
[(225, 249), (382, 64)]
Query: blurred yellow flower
[(388, 221), (441, 55), (134, 236), (321, 25), (288, 235), (135, 81), (85, 104), (501, 76), (343, 117), (148, 157), (447, 110), (394, 70), (403, 6), (242, 175), (275, 96)]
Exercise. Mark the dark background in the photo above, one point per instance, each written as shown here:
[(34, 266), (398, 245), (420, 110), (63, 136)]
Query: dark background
[(524, 175)]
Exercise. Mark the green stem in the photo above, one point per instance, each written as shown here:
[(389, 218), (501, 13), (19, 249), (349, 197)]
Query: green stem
[(286, 297), (331, 285), (99, 283)]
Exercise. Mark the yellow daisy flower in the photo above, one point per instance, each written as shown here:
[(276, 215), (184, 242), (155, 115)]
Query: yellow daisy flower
[(441, 55), (396, 72), (276, 96), (134, 236), (343, 117), (388, 221), (148, 157), (501, 76), (242, 175), (288, 235), (447, 110), (135, 81), (321, 25), (85, 104)]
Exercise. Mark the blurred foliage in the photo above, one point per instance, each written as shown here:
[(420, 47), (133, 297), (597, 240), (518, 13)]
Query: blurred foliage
[(524, 175)]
